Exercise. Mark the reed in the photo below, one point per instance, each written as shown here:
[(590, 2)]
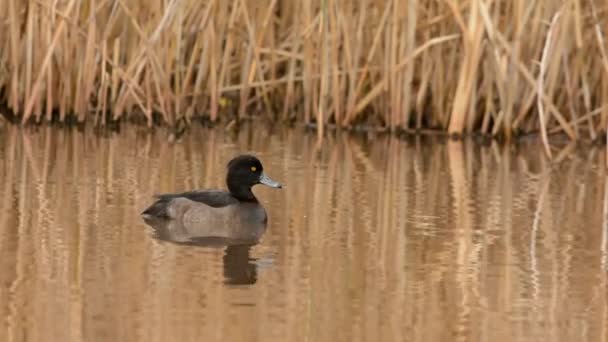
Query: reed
[(493, 67)]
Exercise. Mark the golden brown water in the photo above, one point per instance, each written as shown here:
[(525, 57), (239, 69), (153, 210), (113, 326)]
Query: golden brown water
[(373, 239)]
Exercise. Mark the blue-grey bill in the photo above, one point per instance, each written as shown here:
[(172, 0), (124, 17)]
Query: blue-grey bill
[(267, 181)]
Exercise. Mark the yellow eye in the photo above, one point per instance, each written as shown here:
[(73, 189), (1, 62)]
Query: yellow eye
[(253, 169)]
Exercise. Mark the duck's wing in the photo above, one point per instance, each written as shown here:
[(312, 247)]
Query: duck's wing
[(212, 198)]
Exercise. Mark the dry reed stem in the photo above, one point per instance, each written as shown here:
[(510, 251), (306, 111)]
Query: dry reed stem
[(34, 92), (541, 80), (602, 47), (333, 61), (472, 40)]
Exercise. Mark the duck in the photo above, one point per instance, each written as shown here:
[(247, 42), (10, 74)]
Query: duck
[(234, 215)]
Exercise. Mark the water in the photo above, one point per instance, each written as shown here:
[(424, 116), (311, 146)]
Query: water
[(373, 239)]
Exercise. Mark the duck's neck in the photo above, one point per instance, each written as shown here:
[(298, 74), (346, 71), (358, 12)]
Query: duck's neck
[(240, 192)]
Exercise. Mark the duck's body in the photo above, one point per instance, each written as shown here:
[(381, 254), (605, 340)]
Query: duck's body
[(235, 214), (210, 213)]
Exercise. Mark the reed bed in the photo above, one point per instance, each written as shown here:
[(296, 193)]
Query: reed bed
[(493, 67)]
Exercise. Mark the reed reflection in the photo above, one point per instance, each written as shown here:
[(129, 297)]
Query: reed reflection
[(375, 238)]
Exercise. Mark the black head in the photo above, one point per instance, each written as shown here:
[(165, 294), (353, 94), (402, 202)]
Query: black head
[(244, 172)]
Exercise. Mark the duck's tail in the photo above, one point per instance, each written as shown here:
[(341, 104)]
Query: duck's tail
[(158, 209)]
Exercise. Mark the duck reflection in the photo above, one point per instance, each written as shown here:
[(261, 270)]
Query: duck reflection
[(239, 267)]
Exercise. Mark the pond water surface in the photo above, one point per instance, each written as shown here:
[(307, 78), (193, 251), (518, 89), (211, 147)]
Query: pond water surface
[(372, 239)]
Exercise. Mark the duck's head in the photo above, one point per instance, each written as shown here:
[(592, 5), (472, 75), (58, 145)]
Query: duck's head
[(244, 172)]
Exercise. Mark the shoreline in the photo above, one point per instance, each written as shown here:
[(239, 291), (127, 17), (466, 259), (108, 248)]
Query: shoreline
[(178, 130)]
